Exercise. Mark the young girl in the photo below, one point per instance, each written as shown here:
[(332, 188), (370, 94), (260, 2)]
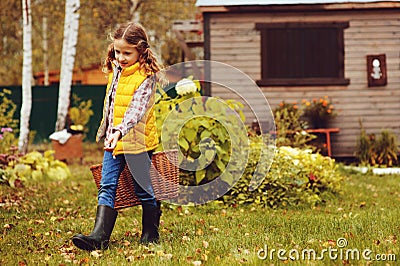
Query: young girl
[(129, 129)]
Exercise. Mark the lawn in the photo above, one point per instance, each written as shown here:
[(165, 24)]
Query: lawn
[(39, 220)]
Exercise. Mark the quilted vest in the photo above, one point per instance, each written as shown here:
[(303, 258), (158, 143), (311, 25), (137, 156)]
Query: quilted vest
[(143, 136)]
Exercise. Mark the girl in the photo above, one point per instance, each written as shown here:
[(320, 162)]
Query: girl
[(129, 129)]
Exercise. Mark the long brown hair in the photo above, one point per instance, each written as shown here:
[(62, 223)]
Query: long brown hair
[(134, 34)]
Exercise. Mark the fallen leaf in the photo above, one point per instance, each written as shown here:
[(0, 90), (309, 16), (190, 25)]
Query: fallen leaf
[(185, 238), (8, 226), (213, 228), (84, 261), (199, 232), (95, 254), (167, 256)]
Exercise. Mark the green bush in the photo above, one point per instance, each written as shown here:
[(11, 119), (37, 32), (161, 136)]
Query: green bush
[(206, 130), (7, 140), (296, 177), (7, 110), (8, 125), (381, 150), (33, 167), (79, 113), (290, 127)]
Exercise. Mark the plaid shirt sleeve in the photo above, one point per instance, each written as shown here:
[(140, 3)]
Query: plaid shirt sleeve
[(137, 107)]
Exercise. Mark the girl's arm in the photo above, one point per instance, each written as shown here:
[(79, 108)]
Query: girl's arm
[(137, 107)]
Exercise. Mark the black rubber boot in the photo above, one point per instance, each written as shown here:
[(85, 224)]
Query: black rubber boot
[(159, 213), (103, 227), (150, 223)]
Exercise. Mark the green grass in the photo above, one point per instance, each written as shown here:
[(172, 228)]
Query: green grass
[(38, 221)]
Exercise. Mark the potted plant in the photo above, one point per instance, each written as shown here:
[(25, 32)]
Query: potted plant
[(79, 115), (319, 112)]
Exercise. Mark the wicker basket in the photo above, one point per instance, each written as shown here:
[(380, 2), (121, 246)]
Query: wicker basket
[(164, 173)]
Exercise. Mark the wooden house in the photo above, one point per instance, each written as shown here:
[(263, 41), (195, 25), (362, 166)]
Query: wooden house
[(90, 75), (294, 50)]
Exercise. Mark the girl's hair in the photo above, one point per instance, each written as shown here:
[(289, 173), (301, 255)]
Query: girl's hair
[(134, 34)]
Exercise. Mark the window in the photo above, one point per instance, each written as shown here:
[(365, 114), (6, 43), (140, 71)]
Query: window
[(302, 53)]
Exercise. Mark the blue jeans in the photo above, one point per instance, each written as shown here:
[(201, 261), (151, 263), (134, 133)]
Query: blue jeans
[(139, 165)]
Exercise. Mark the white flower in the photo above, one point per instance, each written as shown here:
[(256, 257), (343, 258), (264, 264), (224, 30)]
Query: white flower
[(185, 86)]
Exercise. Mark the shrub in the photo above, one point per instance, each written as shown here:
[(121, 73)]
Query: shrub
[(381, 150), (386, 148), (7, 140), (7, 110), (34, 167), (199, 125), (80, 113), (8, 125), (297, 176), (290, 127)]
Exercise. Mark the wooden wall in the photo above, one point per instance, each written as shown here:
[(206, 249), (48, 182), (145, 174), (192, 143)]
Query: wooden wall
[(234, 41)]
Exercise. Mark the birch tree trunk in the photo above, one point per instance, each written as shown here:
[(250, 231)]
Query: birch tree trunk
[(45, 53), (26, 77), (71, 26), (134, 10)]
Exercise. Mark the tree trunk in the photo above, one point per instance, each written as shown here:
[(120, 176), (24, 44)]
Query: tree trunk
[(71, 25), (134, 10), (45, 53), (26, 77)]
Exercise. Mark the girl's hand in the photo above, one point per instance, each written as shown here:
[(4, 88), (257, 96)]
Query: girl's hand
[(111, 142)]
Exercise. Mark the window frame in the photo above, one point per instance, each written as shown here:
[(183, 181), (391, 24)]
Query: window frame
[(339, 80)]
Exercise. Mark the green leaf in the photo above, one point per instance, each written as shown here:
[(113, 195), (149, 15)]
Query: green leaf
[(198, 108), (36, 175), (184, 144), (200, 175), (189, 133), (209, 154), (220, 165), (205, 134)]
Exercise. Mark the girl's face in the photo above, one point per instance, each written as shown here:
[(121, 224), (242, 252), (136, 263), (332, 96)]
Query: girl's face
[(125, 53)]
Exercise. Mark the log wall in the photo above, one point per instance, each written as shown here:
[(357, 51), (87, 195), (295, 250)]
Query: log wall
[(234, 40)]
